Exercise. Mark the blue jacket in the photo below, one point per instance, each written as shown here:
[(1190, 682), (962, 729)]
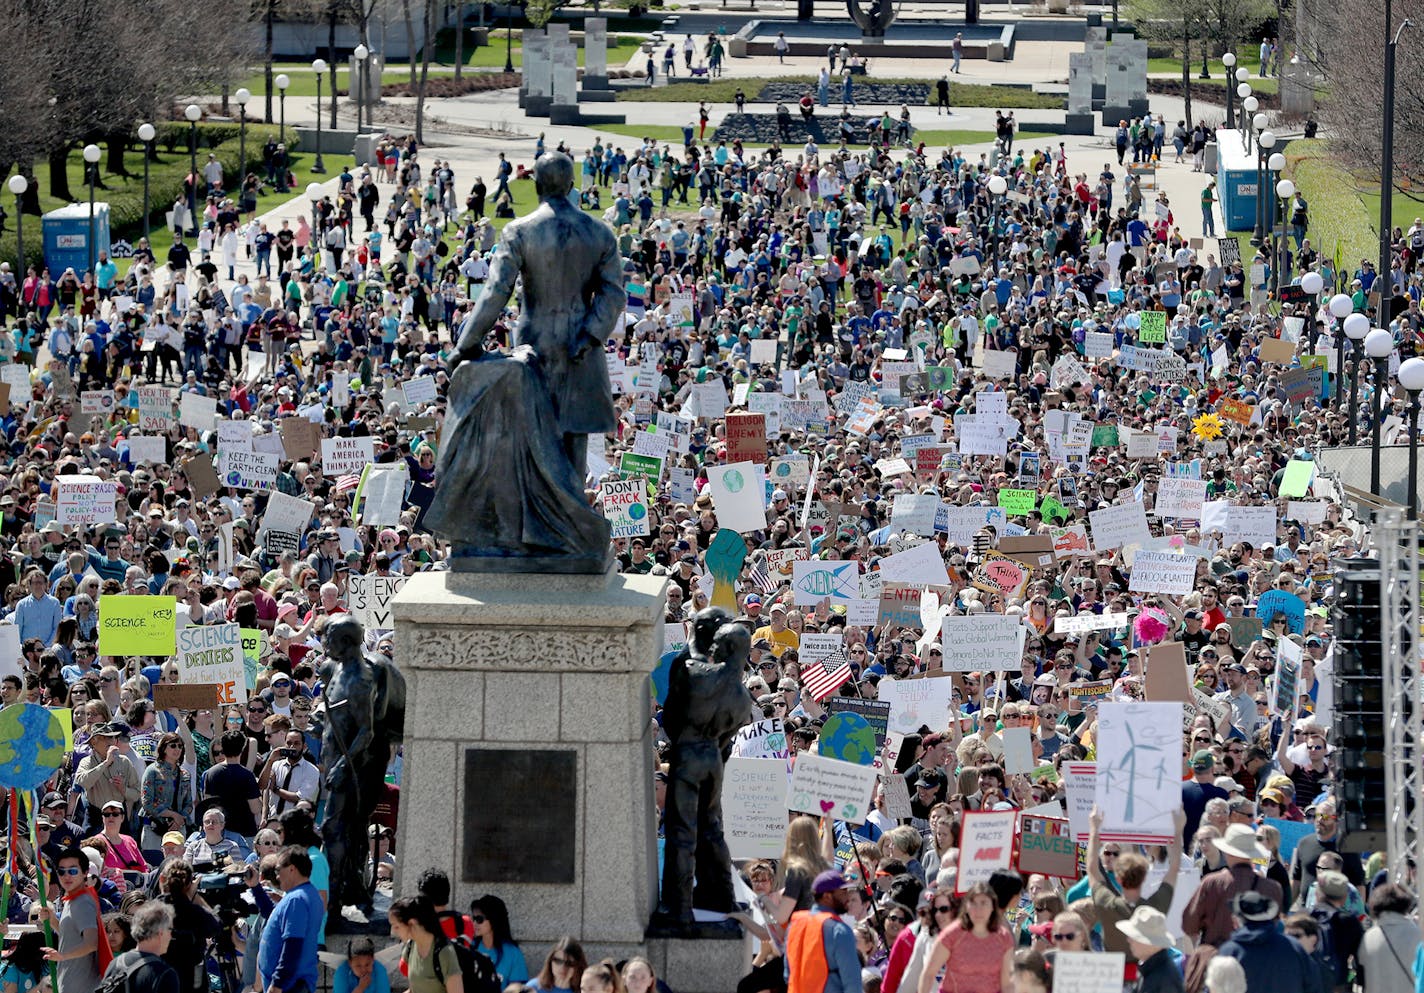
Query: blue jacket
[(1272, 960)]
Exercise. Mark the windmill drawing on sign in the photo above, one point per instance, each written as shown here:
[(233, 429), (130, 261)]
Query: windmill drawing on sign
[(1137, 789)]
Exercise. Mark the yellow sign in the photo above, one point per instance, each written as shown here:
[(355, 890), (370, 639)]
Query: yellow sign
[(138, 625)]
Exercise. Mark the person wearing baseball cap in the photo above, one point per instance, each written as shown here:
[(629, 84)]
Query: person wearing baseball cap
[(820, 947), (776, 632), (1199, 791)]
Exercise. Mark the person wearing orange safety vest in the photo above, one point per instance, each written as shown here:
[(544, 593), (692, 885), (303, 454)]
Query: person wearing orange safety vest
[(820, 947)]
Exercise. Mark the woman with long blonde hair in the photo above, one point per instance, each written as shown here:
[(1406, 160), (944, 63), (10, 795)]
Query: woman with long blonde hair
[(803, 858)]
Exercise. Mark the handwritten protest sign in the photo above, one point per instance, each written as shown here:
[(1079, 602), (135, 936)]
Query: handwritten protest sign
[(986, 843), (762, 739), (1162, 572), (1153, 328), (1046, 846), (1179, 497), (213, 655), (195, 411), (826, 787), (155, 408), (420, 389), (1281, 602), (1139, 783), (143, 448), (754, 807), (746, 438), (1083, 623), (344, 456), (1080, 787), (982, 642), (625, 505), (1001, 574), (914, 702), (86, 500), (922, 565), (1124, 524), (138, 625), (1018, 503), (1088, 972), (247, 470), (370, 599)]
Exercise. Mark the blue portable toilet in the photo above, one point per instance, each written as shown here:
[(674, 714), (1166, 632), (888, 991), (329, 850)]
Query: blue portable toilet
[(66, 237), (1236, 181)]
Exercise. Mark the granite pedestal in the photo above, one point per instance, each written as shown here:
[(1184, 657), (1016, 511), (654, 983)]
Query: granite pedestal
[(528, 754)]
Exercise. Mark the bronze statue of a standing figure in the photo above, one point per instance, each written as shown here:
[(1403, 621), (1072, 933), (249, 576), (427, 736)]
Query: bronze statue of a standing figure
[(365, 718), (509, 491), (707, 704)]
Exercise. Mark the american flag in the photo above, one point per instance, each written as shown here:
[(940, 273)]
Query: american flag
[(758, 573), (348, 483), (822, 677)]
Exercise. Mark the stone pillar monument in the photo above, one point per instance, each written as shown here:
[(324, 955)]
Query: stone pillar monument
[(1096, 45), (595, 53), (1080, 119), (1126, 95), (537, 90), (528, 751), (563, 59)]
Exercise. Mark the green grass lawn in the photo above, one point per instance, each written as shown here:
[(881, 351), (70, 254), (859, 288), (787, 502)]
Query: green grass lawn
[(1218, 71), (1407, 206)]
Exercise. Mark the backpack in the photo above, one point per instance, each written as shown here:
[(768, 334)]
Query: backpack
[(476, 969), (1325, 947), (119, 977)]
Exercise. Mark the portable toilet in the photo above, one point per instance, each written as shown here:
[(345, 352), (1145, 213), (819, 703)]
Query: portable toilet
[(1236, 181), (66, 237)]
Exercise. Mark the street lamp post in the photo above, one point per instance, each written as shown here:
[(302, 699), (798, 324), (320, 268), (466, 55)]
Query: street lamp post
[(360, 53), (1340, 307), (18, 185), (1312, 283), (1357, 326), (1378, 344), (1229, 60), (1248, 108), (314, 195), (1265, 141), (193, 112), (282, 81), (508, 37), (1411, 377), (998, 186), (1285, 189), (318, 67), (146, 134), (1386, 218), (91, 166), (242, 96)]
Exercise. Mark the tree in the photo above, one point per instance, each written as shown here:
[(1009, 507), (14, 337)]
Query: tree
[(1348, 49), (424, 70), (1176, 21)]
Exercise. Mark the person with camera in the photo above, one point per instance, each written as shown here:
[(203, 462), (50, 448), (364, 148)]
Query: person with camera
[(288, 777), (143, 967), (194, 924)]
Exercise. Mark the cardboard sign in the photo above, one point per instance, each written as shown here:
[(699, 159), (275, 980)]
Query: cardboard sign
[(187, 696), (754, 807), (369, 599), (1237, 411), (300, 438), (1277, 351), (202, 477), (86, 500), (824, 787), (138, 625), (986, 843), (1167, 678), (982, 643), (212, 655), (746, 438), (1080, 788), (1001, 574), (345, 456), (1046, 846), (1034, 549)]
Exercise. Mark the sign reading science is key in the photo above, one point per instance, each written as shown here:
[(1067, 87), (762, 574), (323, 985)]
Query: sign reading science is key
[(138, 625)]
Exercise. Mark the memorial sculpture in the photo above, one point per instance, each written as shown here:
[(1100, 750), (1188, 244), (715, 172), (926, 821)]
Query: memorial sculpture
[(706, 705), (509, 494), (874, 22), (364, 699)]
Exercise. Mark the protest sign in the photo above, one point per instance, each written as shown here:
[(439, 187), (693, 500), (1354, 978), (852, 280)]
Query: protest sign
[(1244, 630), (1018, 750), (212, 654), (1001, 574), (1080, 787), (195, 411), (1162, 572), (1088, 972), (746, 438), (1285, 700), (1124, 524), (708, 400), (1179, 497), (202, 477), (418, 390), (847, 737), (900, 605), (1167, 678), (914, 512), (137, 625), (1278, 351), (824, 787), (914, 702), (1153, 327), (986, 843), (86, 500), (862, 613), (815, 581), (1071, 541), (790, 471), (300, 437), (370, 599), (1237, 411), (1292, 832), (1098, 344), (982, 642), (922, 565), (1275, 603), (155, 408), (1306, 511), (962, 523), (1031, 549), (147, 449), (1090, 693), (1139, 784), (344, 456), (234, 435), (99, 402), (1046, 846), (287, 513), (897, 794), (1018, 503), (875, 712), (1083, 623), (276, 543), (1256, 525), (762, 739), (754, 807), (247, 470), (188, 696), (738, 496), (625, 505)]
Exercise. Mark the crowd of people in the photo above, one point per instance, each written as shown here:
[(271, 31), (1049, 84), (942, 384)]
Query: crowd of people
[(1025, 314)]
